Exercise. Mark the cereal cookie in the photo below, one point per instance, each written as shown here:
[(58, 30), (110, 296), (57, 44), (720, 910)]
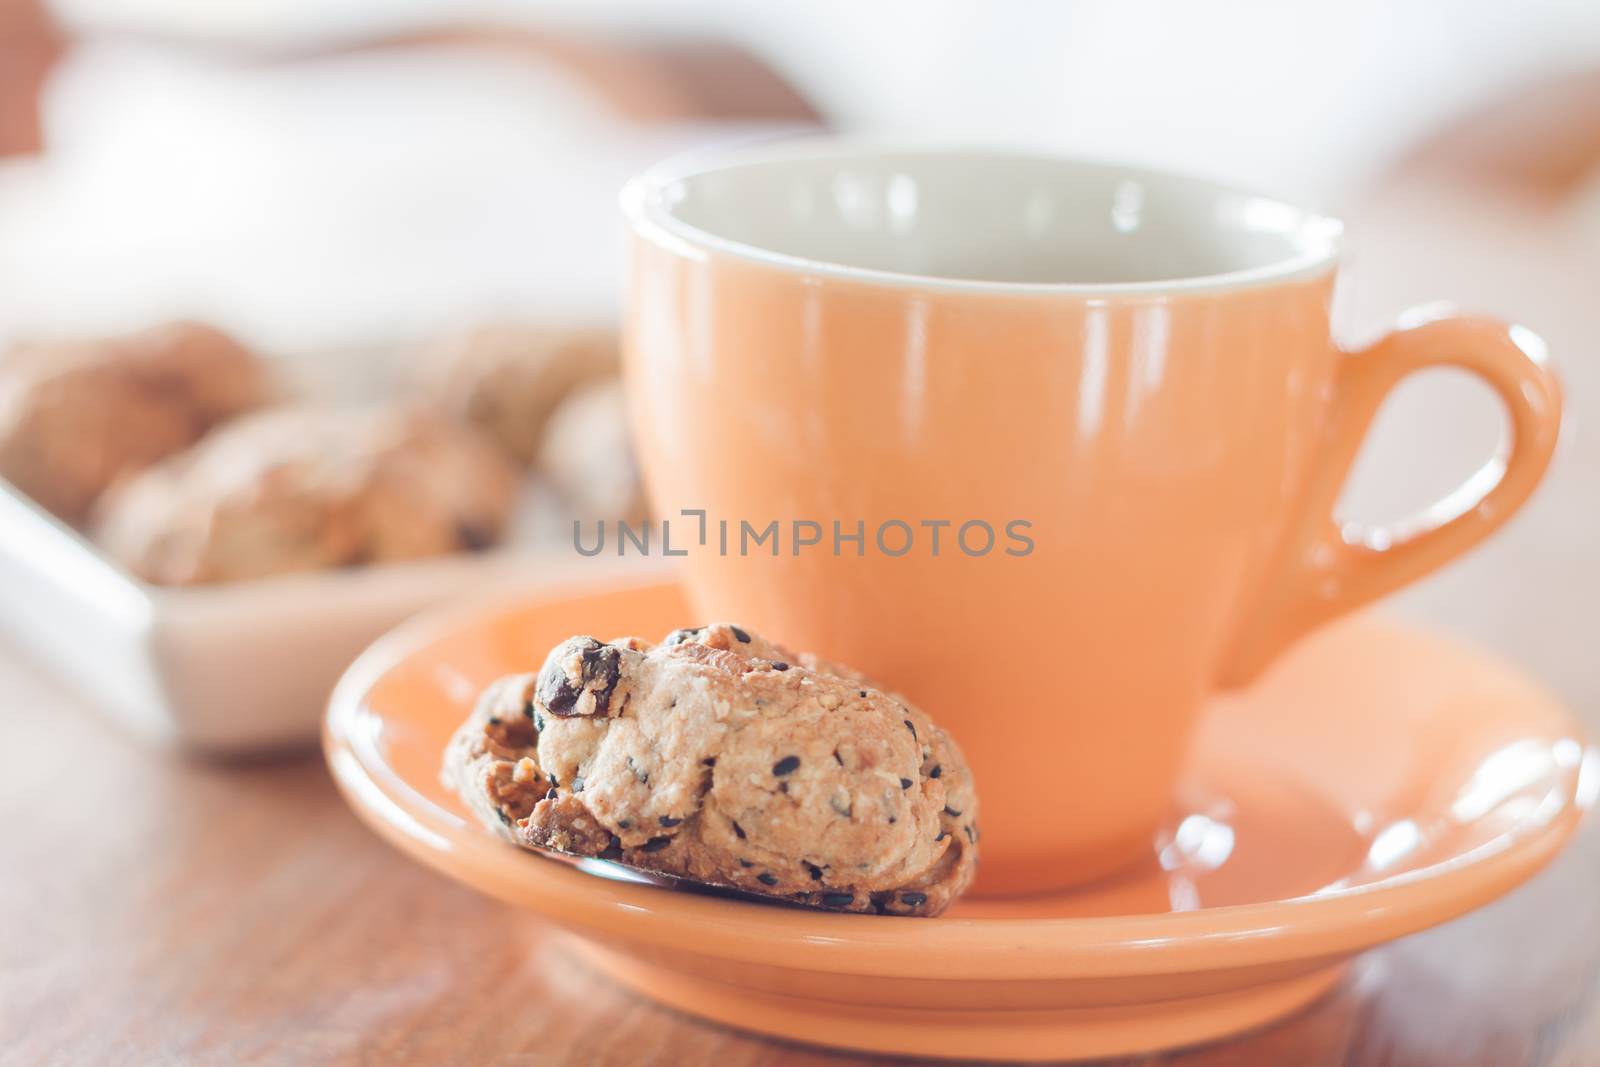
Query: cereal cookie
[(76, 416), (508, 379), (721, 758), (588, 454), (308, 488)]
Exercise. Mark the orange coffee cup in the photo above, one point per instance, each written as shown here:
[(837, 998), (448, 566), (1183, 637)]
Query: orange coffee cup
[(1051, 448)]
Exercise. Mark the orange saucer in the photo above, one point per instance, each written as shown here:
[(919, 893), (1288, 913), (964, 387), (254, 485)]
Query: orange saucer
[(1378, 781)]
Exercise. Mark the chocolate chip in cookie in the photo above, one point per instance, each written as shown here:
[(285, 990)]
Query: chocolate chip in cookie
[(578, 668)]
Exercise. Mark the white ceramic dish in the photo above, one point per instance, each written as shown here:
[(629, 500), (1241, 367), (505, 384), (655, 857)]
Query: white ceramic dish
[(231, 668)]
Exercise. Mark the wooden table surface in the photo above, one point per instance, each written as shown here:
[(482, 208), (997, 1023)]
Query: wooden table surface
[(168, 910)]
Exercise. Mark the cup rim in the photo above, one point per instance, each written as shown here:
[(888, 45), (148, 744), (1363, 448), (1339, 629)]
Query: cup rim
[(644, 205)]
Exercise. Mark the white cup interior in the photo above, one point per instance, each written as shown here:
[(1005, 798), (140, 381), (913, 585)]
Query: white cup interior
[(967, 217)]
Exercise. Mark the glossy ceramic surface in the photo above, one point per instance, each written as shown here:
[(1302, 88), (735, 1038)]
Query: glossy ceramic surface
[(1136, 366), (1377, 781)]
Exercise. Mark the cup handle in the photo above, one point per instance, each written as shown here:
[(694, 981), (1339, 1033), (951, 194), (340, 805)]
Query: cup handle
[(1324, 568)]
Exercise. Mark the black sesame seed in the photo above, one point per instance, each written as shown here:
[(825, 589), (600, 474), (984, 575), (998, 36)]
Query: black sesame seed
[(838, 758), (779, 665), (913, 900), (863, 693), (767, 878), (505, 818), (494, 720), (905, 783), (743, 637), (624, 824), (738, 831), (838, 900), (552, 794), (893, 820), (527, 709), (938, 769), (669, 821), (679, 636), (972, 833), (709, 761), (816, 872), (952, 812), (787, 765), (656, 844), (941, 837), (744, 862), (910, 727), (613, 850)]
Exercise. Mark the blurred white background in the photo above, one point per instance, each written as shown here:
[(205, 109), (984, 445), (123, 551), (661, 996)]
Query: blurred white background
[(1313, 95)]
